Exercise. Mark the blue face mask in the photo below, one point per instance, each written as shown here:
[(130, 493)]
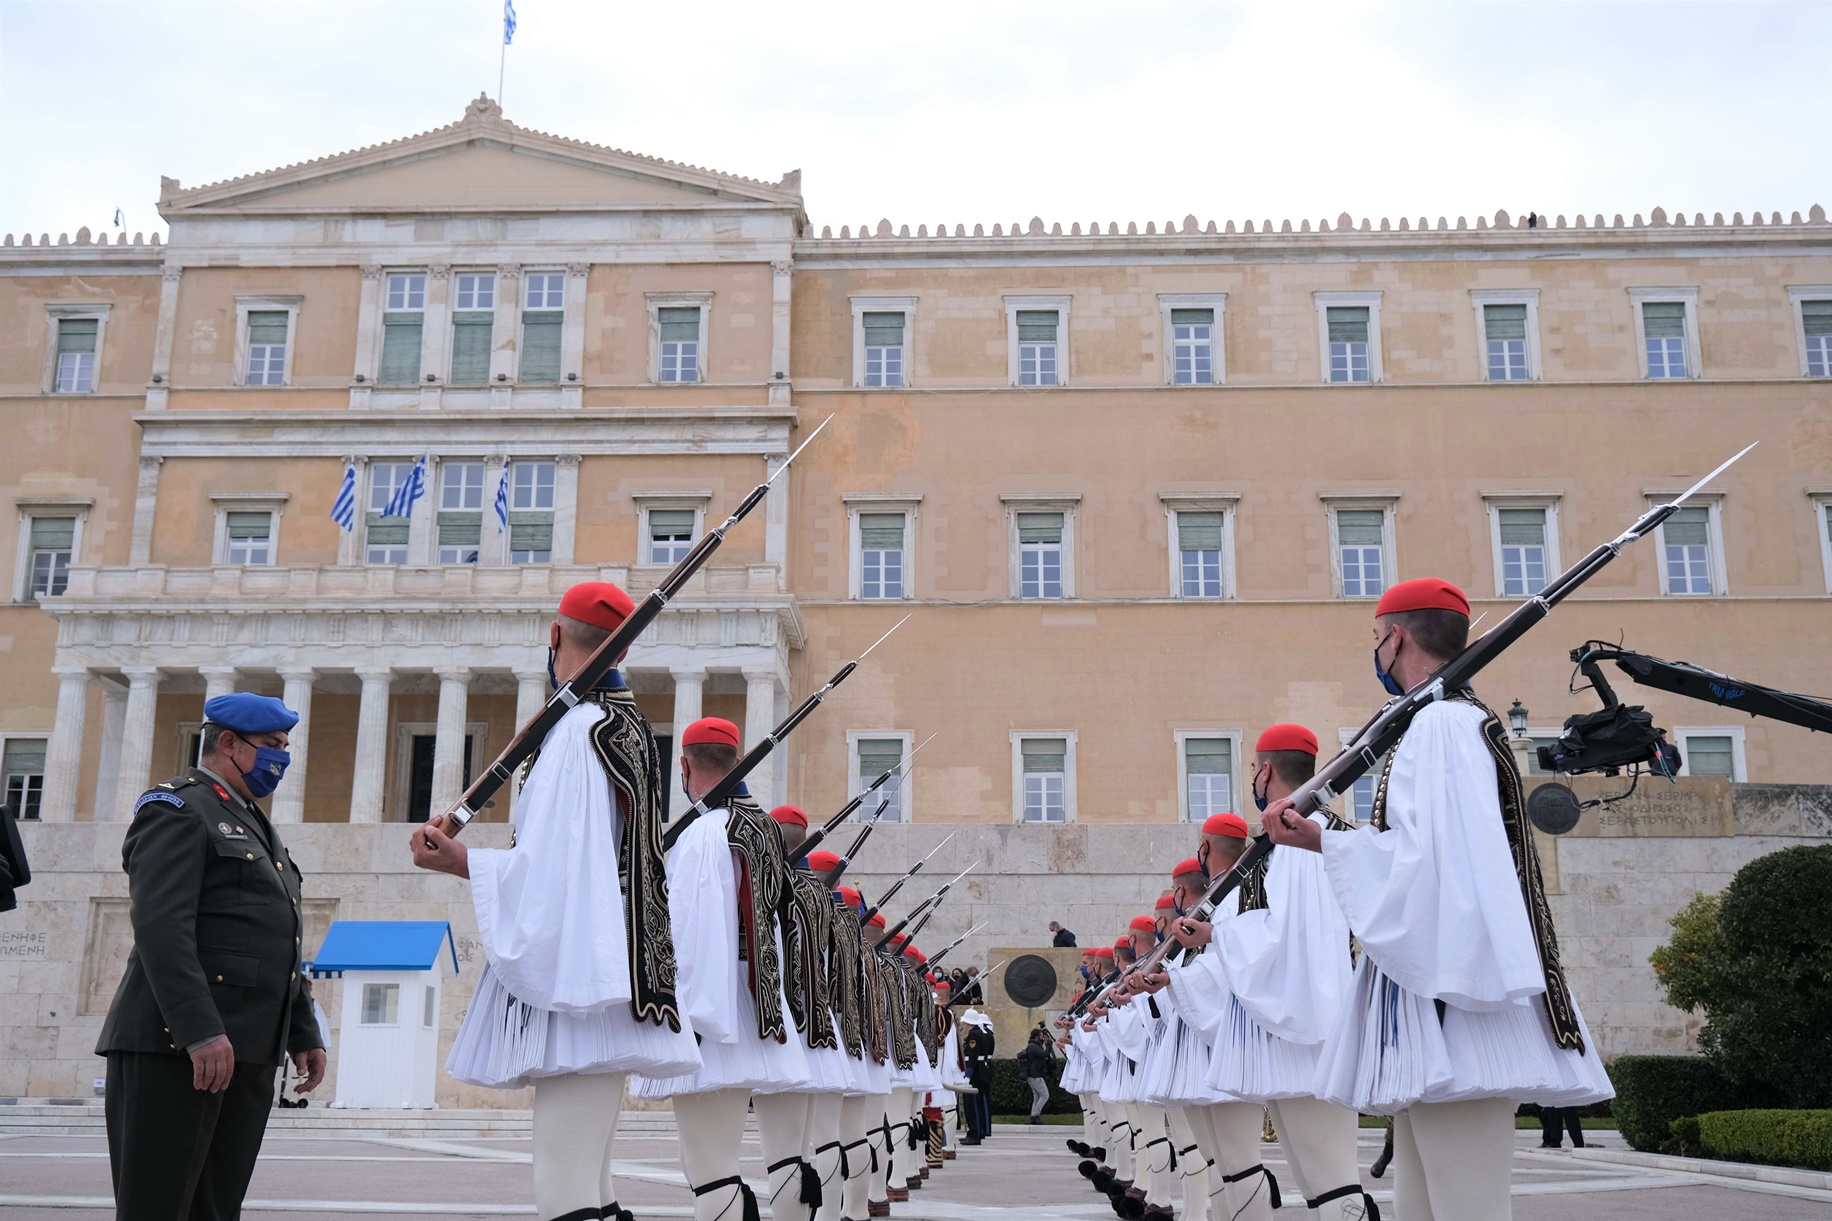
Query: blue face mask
[(1260, 800), (1387, 680), (269, 766)]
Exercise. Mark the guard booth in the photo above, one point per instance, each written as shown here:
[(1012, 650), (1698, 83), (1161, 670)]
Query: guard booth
[(393, 974)]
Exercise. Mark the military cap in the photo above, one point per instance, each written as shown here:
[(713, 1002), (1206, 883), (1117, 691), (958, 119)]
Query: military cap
[(246, 712)]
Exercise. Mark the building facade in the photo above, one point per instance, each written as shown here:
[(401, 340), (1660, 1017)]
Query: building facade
[(1138, 484)]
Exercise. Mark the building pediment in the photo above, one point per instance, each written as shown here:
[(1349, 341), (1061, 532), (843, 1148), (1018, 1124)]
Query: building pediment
[(481, 163)]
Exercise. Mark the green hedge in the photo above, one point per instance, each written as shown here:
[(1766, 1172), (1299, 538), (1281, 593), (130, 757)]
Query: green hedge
[(1774, 1138), (1011, 1093), (1653, 1091)]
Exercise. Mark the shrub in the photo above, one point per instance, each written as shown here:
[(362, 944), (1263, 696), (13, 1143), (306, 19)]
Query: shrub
[(1690, 967), (1653, 1091), (1775, 1138)]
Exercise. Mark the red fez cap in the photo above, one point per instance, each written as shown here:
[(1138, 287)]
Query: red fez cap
[(851, 895), (1192, 865), (1166, 903), (712, 729), (1287, 737), (1226, 824), (1423, 593), (823, 861), (877, 920), (1144, 924), (598, 603), (789, 816), (915, 955), (1092, 951), (1103, 951), (896, 943), (1125, 943)]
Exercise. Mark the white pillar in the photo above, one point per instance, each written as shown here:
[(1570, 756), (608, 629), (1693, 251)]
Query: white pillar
[(289, 798), (136, 741), (146, 503), (114, 720), (448, 745), (371, 746), (776, 519), (565, 506), (218, 680), (759, 719), (530, 694), (689, 689), (64, 756)]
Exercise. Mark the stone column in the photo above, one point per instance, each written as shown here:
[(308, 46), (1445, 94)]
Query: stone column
[(689, 688), (371, 746), (64, 756), (218, 680), (289, 798), (136, 742), (114, 719), (776, 519), (759, 719), (565, 506), (448, 745), (146, 503), (530, 694)]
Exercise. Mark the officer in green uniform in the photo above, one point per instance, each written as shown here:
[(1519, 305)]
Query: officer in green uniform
[(213, 995)]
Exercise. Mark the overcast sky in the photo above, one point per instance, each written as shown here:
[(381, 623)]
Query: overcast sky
[(958, 112)]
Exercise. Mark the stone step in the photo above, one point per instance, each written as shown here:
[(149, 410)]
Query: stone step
[(88, 1119)]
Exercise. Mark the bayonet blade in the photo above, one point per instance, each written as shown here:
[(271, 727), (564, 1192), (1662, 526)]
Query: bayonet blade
[(880, 640), (1691, 491), (798, 449)]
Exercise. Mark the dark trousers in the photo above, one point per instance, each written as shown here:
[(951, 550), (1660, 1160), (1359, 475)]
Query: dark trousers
[(179, 1153), (979, 1105), (1552, 1118)]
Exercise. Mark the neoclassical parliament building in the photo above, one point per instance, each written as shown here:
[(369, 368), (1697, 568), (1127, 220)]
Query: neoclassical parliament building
[(346, 434)]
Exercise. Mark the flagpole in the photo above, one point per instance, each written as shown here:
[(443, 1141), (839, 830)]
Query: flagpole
[(501, 63)]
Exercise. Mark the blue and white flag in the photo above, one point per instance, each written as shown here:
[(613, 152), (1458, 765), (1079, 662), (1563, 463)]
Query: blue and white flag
[(502, 501), (508, 22), (408, 494), (343, 509)]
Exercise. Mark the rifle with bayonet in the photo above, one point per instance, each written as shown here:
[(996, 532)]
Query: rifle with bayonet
[(900, 770), (898, 884), (928, 905), (942, 953)]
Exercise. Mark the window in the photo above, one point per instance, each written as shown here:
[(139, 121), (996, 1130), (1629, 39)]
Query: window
[(22, 768), (881, 555), (1363, 547), (671, 534), (76, 351), (460, 512), (473, 327), (1200, 546), (429, 1007), (1208, 775), (1711, 750), (1822, 510), (1523, 533), (680, 343), (884, 349), (1349, 328), (1690, 552), (401, 329), (267, 347), (1813, 307), (381, 1004), (53, 547), (1505, 328), (1036, 350), (873, 755), (1361, 794), (1192, 334), (531, 512), (1666, 323), (1040, 537), (543, 320), (249, 537), (1044, 767), (385, 538)]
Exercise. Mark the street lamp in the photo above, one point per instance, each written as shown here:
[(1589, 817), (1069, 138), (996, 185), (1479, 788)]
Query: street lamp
[(1517, 719)]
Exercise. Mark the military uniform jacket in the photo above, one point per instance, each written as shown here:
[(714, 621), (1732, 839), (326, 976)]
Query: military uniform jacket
[(217, 927)]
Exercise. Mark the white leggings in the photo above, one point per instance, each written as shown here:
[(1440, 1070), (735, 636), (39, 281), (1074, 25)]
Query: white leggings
[(903, 1158), (711, 1129), (1319, 1142), (1452, 1161), (1192, 1166), (823, 1150), (1233, 1130), (575, 1121), (782, 1130), (1152, 1153), (856, 1141)]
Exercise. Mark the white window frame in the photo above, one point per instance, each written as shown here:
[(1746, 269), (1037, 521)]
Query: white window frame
[(1068, 774), (288, 305), (485, 511), (362, 1006), (31, 735), (1822, 505), (374, 373), (553, 546), (862, 306), (1388, 504), (59, 312), (458, 277), (855, 781), (880, 502), (1529, 297), (522, 308), (1067, 505), (1059, 303), (1687, 297), (1189, 502), (224, 503), (1324, 301), (43, 506), (647, 502), (1797, 295), (1739, 764), (1347, 812), (1218, 365), (1181, 737), (526, 276), (1497, 501), (677, 300), (1713, 503)]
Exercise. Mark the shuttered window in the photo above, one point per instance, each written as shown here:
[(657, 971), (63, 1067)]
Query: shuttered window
[(405, 301), (249, 536), (76, 340), (1686, 548), (385, 538), (1043, 771), (1523, 551), (883, 348), (53, 547), (471, 338), (877, 756), (1710, 755), (460, 512), (1505, 331), (531, 490), (670, 535), (1208, 766), (541, 345), (1663, 325), (1348, 342), (679, 338), (1199, 546), (1816, 325), (1360, 547), (881, 555), (22, 768), (1040, 559), (1192, 336), (1038, 347), (266, 347)]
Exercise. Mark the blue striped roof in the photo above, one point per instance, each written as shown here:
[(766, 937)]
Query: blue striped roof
[(384, 945)]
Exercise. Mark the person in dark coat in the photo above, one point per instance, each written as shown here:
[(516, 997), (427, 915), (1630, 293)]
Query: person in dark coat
[(213, 997), (976, 1050), (1063, 936), (1034, 1065)]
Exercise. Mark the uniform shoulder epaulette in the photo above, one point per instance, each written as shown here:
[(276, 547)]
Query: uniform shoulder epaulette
[(166, 792)]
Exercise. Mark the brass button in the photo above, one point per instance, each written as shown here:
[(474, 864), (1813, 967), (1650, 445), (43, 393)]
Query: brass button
[(279, 864), (295, 975), (219, 979), (295, 941), (251, 856)]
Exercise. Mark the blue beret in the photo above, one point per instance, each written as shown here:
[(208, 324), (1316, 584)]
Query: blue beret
[(245, 712)]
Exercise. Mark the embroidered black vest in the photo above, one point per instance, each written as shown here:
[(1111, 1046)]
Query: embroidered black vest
[(847, 990), (1559, 1009), (809, 934), (761, 885)]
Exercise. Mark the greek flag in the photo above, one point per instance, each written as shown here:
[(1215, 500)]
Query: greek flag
[(412, 488), (508, 22), (343, 509), (502, 501)]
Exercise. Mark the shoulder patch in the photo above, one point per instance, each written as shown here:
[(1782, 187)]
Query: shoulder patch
[(160, 796)]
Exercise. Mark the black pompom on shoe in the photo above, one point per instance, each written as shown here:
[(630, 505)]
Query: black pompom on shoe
[(1088, 1168), (1098, 1153)]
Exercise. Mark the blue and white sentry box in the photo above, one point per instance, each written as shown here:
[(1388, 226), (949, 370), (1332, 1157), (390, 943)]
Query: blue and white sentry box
[(388, 1034)]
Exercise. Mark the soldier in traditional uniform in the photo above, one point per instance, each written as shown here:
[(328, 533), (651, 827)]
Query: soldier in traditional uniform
[(213, 996)]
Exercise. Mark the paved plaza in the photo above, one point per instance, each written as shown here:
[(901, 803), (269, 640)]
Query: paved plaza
[(317, 1172)]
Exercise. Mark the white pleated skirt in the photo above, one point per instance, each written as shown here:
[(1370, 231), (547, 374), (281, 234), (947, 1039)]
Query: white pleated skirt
[(1389, 1050), (762, 1066), (1075, 1070), (871, 1078), (1188, 1082), (502, 1044), (829, 1068), (1253, 1066)]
